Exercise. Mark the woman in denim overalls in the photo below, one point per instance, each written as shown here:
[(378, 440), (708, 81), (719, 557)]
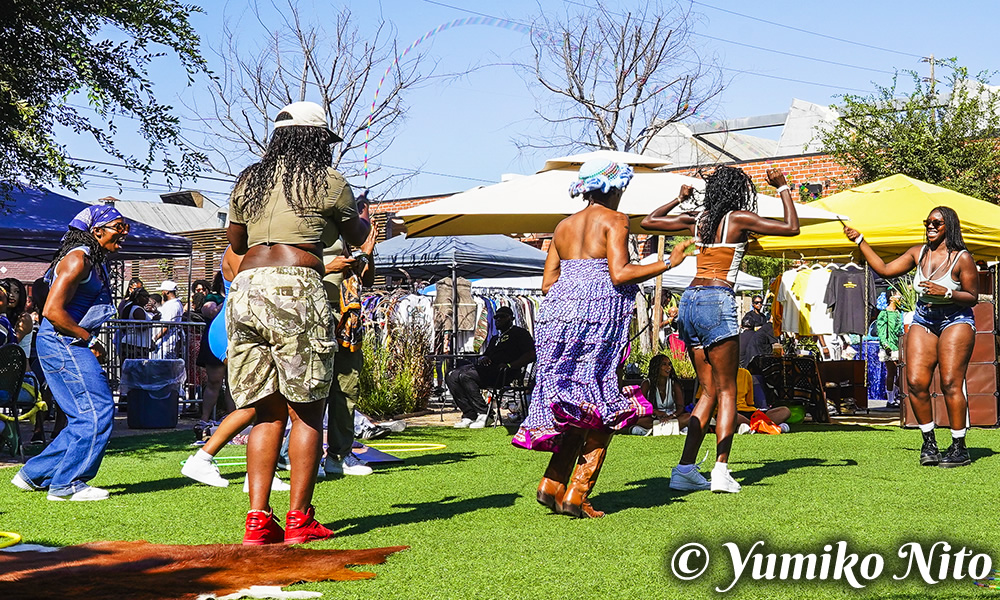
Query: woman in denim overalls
[(79, 301)]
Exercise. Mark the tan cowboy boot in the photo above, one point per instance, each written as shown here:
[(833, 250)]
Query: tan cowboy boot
[(553, 485), (588, 468)]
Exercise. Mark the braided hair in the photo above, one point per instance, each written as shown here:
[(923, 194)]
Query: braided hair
[(305, 153), (953, 239), (726, 189), (75, 238)]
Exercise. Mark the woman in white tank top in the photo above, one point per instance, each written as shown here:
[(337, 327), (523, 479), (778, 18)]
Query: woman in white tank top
[(707, 316), (944, 331)]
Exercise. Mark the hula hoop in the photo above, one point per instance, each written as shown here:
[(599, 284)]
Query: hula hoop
[(9, 538), (39, 406), (406, 446)]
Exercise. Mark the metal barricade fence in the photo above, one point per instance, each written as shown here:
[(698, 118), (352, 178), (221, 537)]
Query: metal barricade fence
[(125, 339)]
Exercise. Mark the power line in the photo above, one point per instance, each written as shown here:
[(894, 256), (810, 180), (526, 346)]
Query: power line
[(822, 35), (744, 72), (761, 48), (108, 164), (166, 186), (794, 55)]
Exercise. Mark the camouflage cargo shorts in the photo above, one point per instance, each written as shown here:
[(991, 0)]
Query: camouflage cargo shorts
[(280, 335)]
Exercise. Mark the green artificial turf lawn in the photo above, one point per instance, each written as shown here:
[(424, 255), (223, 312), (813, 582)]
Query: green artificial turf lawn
[(469, 515)]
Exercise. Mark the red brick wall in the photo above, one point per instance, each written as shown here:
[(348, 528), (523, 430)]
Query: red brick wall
[(807, 168)]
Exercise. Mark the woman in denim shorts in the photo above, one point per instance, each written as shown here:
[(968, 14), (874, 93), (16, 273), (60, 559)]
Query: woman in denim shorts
[(707, 318), (943, 331)]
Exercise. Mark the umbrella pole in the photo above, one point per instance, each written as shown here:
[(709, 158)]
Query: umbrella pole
[(658, 297), (454, 309)]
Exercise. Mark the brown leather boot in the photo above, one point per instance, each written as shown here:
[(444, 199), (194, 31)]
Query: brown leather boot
[(553, 485), (588, 468)]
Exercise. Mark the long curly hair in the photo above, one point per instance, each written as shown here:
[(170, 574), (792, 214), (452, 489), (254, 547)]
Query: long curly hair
[(305, 153), (653, 373), (726, 189), (76, 238), (953, 239), (17, 310)]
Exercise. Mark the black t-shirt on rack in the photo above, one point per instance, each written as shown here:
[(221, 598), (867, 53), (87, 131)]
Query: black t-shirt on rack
[(846, 295)]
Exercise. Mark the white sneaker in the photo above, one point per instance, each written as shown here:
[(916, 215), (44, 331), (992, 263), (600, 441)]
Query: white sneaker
[(351, 465), (203, 471), (394, 426), (479, 423), (87, 494), (743, 428), (22, 483), (723, 482), (688, 482), (277, 485), (463, 424)]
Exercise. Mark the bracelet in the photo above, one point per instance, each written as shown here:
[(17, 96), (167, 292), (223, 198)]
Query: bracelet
[(860, 239), (784, 188), (948, 293), (666, 261)]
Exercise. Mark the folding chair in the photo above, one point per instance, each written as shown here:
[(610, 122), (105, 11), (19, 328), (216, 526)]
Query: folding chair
[(518, 388), (13, 363)]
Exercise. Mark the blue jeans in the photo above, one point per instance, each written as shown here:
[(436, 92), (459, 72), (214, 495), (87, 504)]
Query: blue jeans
[(707, 315), (80, 388), (935, 318)]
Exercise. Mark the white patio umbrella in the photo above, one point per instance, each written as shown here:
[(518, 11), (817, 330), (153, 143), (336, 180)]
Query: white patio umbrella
[(536, 203), (675, 279)]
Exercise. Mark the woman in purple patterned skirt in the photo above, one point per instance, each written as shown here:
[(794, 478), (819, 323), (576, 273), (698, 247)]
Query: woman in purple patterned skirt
[(580, 336)]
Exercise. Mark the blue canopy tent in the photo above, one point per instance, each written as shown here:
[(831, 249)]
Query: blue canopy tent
[(464, 256), (457, 256), (36, 220)]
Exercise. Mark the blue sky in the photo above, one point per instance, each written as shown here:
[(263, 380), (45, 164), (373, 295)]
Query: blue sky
[(461, 132)]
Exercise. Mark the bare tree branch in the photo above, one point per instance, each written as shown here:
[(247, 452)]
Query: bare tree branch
[(337, 68), (615, 80)]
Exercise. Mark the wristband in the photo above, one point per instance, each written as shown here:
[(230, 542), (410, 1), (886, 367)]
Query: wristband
[(948, 293), (860, 239), (784, 188), (666, 261), (92, 341)]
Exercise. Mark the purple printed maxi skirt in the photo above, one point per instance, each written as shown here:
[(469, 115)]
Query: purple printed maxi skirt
[(580, 334)]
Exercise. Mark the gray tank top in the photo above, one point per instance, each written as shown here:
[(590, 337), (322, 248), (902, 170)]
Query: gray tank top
[(943, 279)]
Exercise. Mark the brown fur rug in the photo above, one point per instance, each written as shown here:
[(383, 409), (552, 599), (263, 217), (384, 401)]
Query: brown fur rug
[(144, 571)]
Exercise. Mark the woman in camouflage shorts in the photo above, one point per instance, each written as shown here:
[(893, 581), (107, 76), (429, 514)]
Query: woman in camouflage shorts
[(282, 213)]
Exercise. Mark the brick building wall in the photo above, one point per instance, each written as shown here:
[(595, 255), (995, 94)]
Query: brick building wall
[(819, 169)]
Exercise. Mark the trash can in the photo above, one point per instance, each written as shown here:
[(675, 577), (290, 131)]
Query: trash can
[(152, 389)]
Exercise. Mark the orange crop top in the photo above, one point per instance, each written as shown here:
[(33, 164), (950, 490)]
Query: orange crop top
[(720, 260)]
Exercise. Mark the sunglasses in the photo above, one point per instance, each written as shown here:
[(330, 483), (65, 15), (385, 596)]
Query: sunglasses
[(935, 223), (757, 302), (120, 228)]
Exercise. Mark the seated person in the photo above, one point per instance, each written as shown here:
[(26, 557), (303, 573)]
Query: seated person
[(664, 392), (510, 350), (757, 343), (745, 404)]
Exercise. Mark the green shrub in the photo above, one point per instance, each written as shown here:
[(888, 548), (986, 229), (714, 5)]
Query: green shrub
[(396, 377)]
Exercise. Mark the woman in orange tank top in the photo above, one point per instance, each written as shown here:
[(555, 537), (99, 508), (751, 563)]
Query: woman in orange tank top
[(707, 319)]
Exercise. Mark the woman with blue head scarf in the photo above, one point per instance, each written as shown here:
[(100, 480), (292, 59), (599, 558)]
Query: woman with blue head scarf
[(79, 301), (581, 337)]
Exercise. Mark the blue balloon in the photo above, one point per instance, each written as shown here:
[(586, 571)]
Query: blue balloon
[(218, 339)]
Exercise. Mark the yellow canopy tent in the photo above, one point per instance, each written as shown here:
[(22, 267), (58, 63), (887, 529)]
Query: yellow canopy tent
[(890, 213)]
